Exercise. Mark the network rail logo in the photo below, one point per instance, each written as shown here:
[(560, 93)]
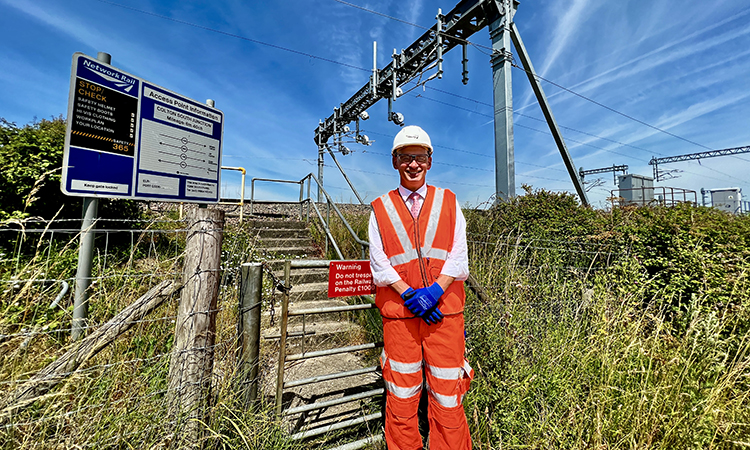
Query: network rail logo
[(108, 76)]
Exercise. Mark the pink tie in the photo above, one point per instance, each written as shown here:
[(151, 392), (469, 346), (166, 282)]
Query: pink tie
[(414, 204)]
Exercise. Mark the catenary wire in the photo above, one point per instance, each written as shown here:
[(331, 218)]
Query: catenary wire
[(577, 141), (627, 116), (548, 81), (461, 151), (544, 121), (278, 47), (479, 46), (226, 33), (453, 182)]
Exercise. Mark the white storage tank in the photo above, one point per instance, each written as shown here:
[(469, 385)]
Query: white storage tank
[(636, 189)]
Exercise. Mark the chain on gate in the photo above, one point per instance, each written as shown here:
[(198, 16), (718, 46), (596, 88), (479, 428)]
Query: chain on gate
[(277, 285)]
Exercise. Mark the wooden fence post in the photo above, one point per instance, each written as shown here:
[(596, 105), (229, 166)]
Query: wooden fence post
[(195, 330), (248, 342)]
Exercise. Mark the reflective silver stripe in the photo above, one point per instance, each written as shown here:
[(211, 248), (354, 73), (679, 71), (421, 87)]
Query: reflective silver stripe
[(432, 224), (467, 368), (447, 401), (432, 221), (403, 236), (403, 258), (401, 367), (435, 253), (446, 373), (402, 392)]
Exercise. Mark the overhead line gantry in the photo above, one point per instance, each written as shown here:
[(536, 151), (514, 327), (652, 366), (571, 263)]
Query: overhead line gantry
[(451, 30), (693, 156), (614, 169)]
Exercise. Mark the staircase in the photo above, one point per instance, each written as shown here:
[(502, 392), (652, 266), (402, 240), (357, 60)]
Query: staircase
[(277, 241)]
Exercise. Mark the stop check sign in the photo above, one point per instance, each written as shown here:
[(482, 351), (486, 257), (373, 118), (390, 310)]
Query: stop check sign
[(349, 278)]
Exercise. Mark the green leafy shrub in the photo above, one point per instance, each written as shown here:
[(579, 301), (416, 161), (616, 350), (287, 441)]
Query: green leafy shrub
[(608, 329), (30, 171)]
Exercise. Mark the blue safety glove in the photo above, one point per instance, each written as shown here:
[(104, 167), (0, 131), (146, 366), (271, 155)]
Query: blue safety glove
[(424, 300), (433, 316), (409, 293)]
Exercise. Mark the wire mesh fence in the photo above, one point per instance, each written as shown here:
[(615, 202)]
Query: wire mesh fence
[(535, 283), (121, 392), (543, 294)]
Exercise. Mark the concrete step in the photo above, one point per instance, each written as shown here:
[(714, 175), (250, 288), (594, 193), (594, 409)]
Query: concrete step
[(299, 303), (279, 252), (315, 304), (289, 233), (316, 318), (320, 335), (283, 224), (275, 242), (277, 265), (286, 239), (325, 390), (308, 292), (303, 276)]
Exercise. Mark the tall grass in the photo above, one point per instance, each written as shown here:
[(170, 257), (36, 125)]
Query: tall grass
[(607, 335), (589, 369), (350, 249), (609, 330), (118, 399)]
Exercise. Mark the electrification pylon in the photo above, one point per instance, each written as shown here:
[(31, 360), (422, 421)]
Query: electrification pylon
[(426, 53)]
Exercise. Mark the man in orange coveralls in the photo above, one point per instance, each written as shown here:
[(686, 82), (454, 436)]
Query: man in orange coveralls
[(419, 261)]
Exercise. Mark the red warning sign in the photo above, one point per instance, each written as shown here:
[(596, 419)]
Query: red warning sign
[(349, 278)]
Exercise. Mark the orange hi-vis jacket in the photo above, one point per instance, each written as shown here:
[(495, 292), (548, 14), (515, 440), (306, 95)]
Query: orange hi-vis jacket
[(417, 248)]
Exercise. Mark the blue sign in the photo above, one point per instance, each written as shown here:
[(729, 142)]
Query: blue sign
[(128, 138)]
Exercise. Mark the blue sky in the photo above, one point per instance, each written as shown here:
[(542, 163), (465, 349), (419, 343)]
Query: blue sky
[(682, 67)]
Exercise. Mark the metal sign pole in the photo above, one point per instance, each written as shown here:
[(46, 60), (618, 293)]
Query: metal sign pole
[(320, 170), (85, 254)]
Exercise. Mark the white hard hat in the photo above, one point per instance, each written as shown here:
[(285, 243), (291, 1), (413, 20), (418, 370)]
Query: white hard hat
[(411, 135)]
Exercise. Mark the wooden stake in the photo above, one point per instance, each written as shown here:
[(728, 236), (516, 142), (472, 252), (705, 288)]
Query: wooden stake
[(195, 331)]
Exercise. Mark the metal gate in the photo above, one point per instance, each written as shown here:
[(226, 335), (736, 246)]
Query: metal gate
[(326, 410)]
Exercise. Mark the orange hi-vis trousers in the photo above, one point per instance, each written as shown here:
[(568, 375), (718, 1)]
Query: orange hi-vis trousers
[(411, 347)]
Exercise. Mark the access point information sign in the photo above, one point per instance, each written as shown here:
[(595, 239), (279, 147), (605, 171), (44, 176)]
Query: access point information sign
[(128, 138)]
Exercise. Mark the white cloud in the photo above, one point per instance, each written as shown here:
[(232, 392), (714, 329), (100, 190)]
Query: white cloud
[(575, 12)]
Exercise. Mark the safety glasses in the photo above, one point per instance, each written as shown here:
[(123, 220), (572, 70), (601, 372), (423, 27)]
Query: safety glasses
[(407, 159)]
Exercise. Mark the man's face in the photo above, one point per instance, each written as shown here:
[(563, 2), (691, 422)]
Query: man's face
[(410, 169)]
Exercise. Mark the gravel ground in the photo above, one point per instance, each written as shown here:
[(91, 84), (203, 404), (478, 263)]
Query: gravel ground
[(265, 210)]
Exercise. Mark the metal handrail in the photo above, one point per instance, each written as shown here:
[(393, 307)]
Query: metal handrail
[(252, 190), (302, 200), (359, 241), (327, 230), (242, 192), (668, 195)]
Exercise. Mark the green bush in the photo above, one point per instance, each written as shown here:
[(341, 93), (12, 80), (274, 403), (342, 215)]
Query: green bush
[(618, 329), (30, 171)]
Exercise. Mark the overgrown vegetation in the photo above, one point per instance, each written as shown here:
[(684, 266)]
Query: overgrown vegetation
[(622, 329), (119, 398), (607, 329), (618, 330), (31, 159)]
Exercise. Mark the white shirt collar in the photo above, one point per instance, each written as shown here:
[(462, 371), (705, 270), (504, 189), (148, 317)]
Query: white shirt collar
[(405, 193)]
